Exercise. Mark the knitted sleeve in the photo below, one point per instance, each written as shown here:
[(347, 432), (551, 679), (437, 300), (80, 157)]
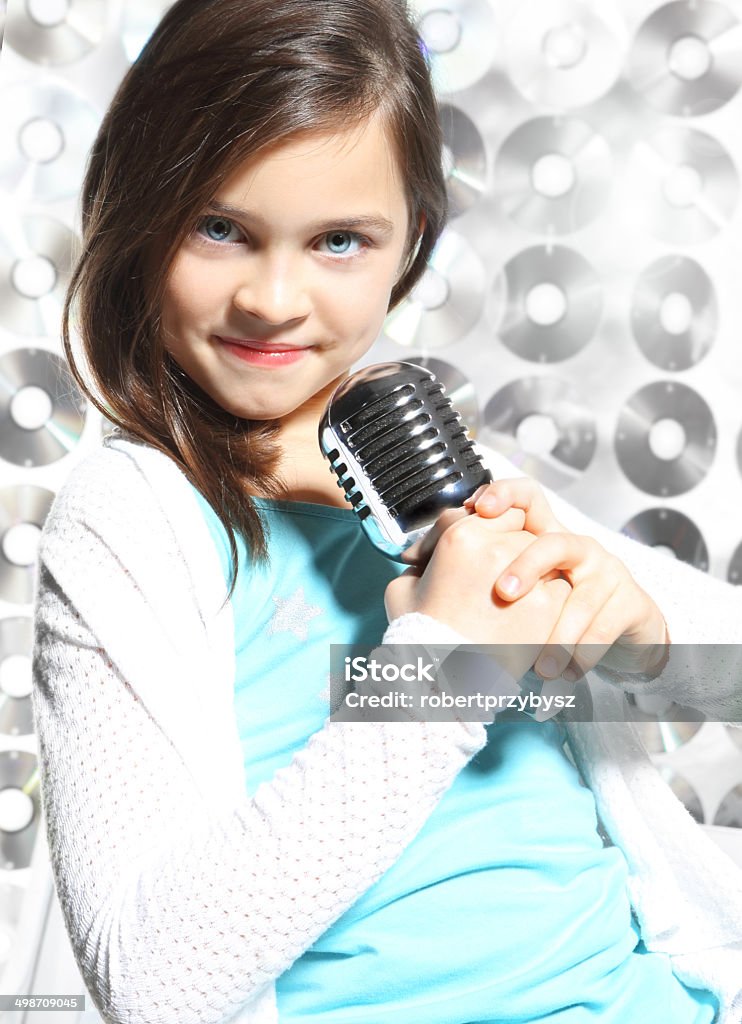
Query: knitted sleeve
[(176, 913), (703, 615)]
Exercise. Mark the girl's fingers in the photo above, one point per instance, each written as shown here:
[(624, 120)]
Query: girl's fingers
[(418, 553), (588, 625), (576, 556), (517, 492)]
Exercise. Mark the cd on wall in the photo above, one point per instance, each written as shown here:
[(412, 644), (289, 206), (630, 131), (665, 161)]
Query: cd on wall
[(464, 159), (729, 812), (672, 531), (546, 303), (47, 132), (665, 438), (20, 808), (562, 54), (674, 313), (734, 572), (55, 34), (553, 174), (541, 425), (36, 257), (42, 413), (23, 510), (687, 58), (683, 185), (447, 301), (16, 642), (456, 385), (457, 37)]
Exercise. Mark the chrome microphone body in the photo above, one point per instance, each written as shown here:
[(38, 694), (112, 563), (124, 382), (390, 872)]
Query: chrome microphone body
[(400, 452)]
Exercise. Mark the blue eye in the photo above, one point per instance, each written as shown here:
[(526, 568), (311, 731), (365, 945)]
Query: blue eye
[(218, 229), (340, 242)]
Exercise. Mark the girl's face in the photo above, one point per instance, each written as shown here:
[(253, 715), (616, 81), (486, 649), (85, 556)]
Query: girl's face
[(286, 280)]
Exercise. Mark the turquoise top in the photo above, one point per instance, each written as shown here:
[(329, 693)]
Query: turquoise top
[(507, 906)]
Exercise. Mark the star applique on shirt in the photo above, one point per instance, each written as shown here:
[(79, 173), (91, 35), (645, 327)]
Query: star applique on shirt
[(293, 614)]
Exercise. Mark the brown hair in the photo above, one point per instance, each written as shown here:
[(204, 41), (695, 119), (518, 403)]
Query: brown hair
[(218, 81)]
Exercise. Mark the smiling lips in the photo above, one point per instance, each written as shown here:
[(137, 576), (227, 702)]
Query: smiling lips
[(262, 346)]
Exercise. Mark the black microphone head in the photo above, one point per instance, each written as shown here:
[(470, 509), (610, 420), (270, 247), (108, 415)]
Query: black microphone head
[(400, 452)]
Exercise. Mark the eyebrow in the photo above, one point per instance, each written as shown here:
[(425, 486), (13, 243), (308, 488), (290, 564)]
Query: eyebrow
[(364, 222)]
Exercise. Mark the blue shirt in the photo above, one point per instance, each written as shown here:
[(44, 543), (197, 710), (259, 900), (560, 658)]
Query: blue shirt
[(507, 906)]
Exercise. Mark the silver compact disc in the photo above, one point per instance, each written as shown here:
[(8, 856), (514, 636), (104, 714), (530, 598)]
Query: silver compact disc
[(36, 258), (674, 313), (140, 19), (672, 532), (553, 174), (457, 38), (447, 301), (546, 303), (665, 438), (729, 812), (20, 808), (16, 643), (563, 54), (683, 185), (47, 132), (456, 386), (55, 31), (542, 426), (23, 509), (734, 572), (42, 412), (687, 58), (464, 159)]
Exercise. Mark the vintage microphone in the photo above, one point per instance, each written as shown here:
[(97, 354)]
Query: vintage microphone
[(402, 455), (400, 452)]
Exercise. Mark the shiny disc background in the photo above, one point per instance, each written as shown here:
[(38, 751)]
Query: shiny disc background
[(651, 70), (71, 39), (581, 291), (562, 54), (33, 236), (24, 503), (446, 303), (559, 206), (75, 121), (18, 770), (466, 177), (470, 32), (667, 277), (673, 401), (16, 639), (670, 528), (39, 368), (551, 398)]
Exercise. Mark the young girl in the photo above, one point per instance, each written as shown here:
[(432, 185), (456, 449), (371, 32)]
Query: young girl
[(265, 186)]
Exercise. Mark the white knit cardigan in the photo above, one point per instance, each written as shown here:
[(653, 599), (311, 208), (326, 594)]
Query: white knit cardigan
[(184, 897)]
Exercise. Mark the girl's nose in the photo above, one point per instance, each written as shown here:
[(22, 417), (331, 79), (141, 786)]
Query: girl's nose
[(273, 290)]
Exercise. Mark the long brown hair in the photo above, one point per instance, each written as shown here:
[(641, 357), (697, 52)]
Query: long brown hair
[(218, 81)]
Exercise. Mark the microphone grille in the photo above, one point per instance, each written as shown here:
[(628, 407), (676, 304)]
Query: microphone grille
[(398, 446)]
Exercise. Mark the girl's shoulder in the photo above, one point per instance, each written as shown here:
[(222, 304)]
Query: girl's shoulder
[(113, 484), (126, 511)]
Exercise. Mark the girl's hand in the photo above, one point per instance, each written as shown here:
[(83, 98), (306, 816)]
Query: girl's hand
[(607, 617), (456, 587)]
